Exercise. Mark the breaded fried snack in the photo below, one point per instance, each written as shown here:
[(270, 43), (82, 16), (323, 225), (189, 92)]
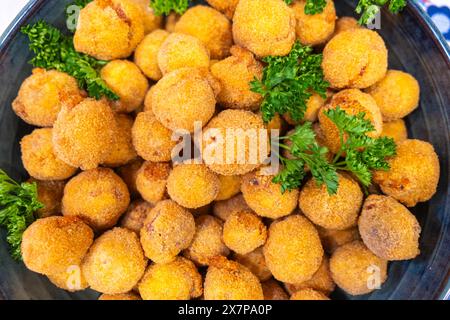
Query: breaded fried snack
[(229, 186), (71, 280), (223, 209), (273, 291), (135, 216), (123, 150), (49, 193), (120, 296), (128, 174), (151, 20), (255, 262), (146, 54), (308, 294), (333, 239), (396, 130), (227, 7), (151, 180), (346, 23)]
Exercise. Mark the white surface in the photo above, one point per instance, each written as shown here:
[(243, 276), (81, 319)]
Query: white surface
[(10, 9)]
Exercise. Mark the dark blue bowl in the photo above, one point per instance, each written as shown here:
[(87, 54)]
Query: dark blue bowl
[(415, 45)]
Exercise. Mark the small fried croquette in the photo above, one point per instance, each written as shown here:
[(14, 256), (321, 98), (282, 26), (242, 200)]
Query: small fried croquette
[(71, 280), (293, 251), (146, 54), (229, 280), (83, 136), (273, 291), (338, 211), (42, 95), (396, 130), (244, 231), (118, 26), (207, 242), (265, 27), (346, 23), (227, 7), (353, 265), (265, 197), (52, 245), (135, 216), (183, 97), (210, 27), (123, 150), (234, 74), (40, 160), (182, 51), (314, 29), (255, 262), (128, 174), (308, 294), (168, 229), (413, 175), (389, 229), (151, 139), (224, 208), (229, 186), (333, 239), (148, 101), (120, 296), (125, 79), (97, 196), (115, 262), (151, 180), (276, 123), (356, 58), (151, 20), (171, 21), (49, 193), (176, 280), (397, 94)]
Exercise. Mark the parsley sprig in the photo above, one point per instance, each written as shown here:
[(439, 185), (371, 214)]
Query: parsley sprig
[(18, 202), (165, 7), (368, 9), (315, 6)]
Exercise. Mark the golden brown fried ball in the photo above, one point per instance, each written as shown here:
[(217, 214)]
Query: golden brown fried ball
[(346, 23), (49, 193), (338, 211), (115, 262), (135, 216), (182, 97), (397, 94), (293, 250), (52, 245), (389, 229), (308, 294), (229, 280), (148, 101), (120, 296), (168, 229), (83, 136), (207, 242), (127, 81), (210, 27), (353, 265), (97, 196), (176, 280), (333, 239), (151, 180), (265, 197), (314, 29), (255, 262), (273, 291), (128, 174), (42, 95), (151, 20), (71, 280), (413, 175), (277, 123), (234, 74), (40, 160), (224, 208), (123, 150), (229, 186), (265, 27), (356, 58), (396, 130), (227, 7), (171, 21), (109, 29), (244, 231), (146, 54), (151, 139)]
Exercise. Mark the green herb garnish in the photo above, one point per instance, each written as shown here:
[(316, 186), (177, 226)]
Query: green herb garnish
[(368, 9), (165, 7), (315, 6)]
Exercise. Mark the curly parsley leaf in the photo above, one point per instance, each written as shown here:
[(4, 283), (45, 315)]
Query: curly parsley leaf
[(315, 6), (368, 9), (165, 7)]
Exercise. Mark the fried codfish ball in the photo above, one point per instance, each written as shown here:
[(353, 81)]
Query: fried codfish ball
[(265, 27), (167, 230), (120, 296), (97, 196), (293, 251), (224, 208), (313, 105), (118, 26), (148, 101), (255, 262), (234, 74), (338, 211), (229, 280), (244, 231), (183, 97), (83, 136), (210, 27), (135, 216), (207, 242), (346, 23), (352, 265), (227, 7), (389, 229), (123, 150), (39, 158), (176, 280), (51, 245), (115, 262), (229, 186), (396, 130), (71, 280), (413, 175), (42, 95), (397, 94), (192, 185), (273, 291), (314, 29), (151, 180), (353, 102), (127, 81), (128, 174), (151, 139), (356, 58), (49, 193), (265, 197), (333, 239), (308, 294), (151, 20), (146, 54)]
